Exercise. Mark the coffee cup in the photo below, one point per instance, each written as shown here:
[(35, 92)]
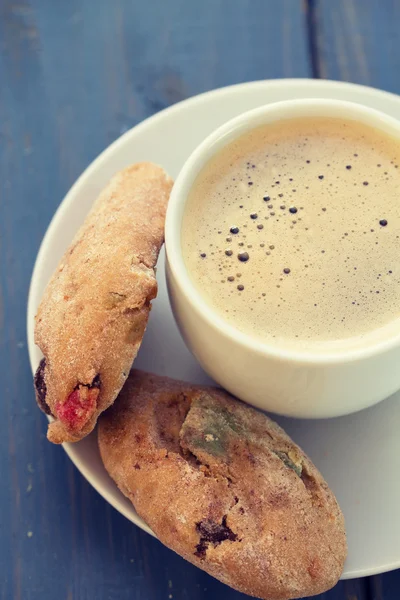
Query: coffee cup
[(317, 383)]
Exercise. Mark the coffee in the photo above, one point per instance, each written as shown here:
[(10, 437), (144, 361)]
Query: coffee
[(292, 232)]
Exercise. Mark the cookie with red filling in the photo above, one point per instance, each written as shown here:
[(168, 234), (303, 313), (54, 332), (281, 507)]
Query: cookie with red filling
[(94, 311)]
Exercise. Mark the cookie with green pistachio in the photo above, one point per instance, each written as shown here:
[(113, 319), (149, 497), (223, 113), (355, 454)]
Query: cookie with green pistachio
[(224, 486)]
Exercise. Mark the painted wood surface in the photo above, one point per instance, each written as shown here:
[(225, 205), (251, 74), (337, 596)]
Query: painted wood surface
[(359, 41), (74, 76)]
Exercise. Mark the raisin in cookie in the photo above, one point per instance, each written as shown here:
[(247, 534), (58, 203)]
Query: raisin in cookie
[(95, 308), (224, 486)]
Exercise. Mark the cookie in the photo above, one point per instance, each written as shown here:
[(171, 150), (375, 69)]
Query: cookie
[(224, 486), (94, 311)]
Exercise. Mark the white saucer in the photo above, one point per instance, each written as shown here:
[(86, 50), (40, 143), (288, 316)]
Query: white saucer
[(359, 455)]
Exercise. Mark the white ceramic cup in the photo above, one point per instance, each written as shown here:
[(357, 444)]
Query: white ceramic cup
[(293, 383)]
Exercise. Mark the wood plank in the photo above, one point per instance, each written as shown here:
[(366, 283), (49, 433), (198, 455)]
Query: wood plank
[(74, 76), (358, 41), (385, 587)]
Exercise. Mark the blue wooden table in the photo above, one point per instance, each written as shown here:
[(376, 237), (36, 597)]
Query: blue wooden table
[(74, 75)]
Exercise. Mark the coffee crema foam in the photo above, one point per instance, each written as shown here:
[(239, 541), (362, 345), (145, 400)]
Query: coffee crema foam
[(291, 233)]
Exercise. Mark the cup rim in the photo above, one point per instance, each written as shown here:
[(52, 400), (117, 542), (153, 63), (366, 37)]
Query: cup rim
[(186, 177)]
